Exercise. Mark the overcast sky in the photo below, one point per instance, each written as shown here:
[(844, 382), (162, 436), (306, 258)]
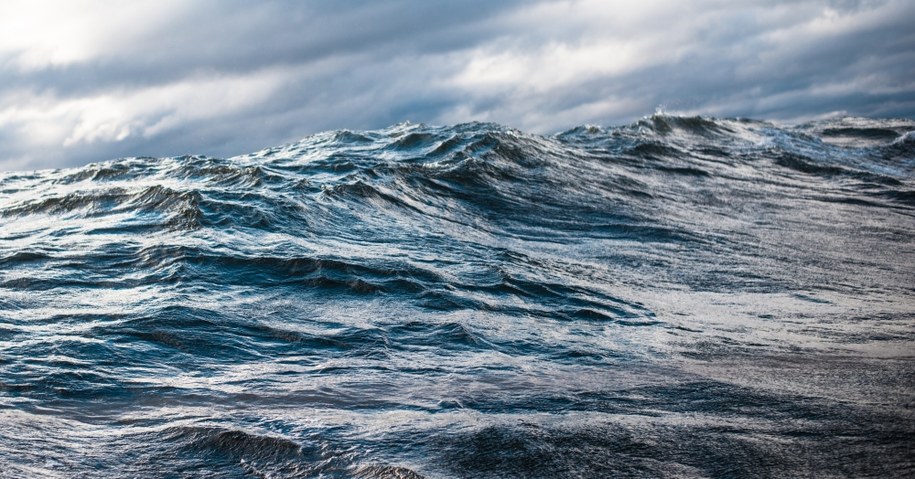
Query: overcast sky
[(90, 81)]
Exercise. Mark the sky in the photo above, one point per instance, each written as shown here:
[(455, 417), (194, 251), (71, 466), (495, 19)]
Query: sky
[(87, 81)]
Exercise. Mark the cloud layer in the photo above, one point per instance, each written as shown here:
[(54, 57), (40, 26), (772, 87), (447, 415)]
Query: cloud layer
[(89, 81)]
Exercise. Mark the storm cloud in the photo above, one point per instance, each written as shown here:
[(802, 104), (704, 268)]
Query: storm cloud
[(91, 81)]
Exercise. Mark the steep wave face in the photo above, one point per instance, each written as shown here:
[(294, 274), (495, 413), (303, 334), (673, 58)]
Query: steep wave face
[(686, 297)]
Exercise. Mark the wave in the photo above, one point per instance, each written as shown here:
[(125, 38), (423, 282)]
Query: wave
[(680, 296)]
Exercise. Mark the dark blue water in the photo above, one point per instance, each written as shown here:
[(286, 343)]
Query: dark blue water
[(680, 297)]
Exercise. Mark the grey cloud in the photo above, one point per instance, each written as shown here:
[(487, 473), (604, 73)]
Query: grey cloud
[(236, 38), (224, 78)]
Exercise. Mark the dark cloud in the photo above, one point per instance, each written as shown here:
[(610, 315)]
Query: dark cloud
[(83, 82)]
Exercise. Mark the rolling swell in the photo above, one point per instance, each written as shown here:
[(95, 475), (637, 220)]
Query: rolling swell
[(682, 296)]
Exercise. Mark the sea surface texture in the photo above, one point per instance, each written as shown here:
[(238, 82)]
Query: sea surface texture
[(679, 297)]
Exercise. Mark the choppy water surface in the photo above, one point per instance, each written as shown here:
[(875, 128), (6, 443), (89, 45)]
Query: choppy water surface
[(677, 297)]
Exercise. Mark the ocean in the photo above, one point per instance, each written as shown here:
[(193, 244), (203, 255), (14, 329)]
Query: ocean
[(677, 297)]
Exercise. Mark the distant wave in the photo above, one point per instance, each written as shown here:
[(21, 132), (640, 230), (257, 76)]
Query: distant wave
[(681, 296)]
